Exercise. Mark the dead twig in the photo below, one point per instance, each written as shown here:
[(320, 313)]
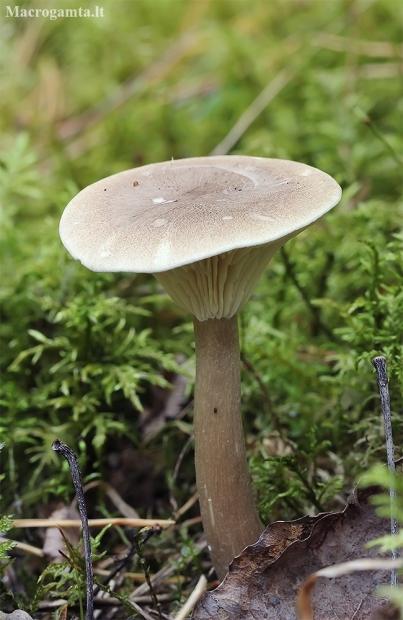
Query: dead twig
[(92, 522), (289, 270), (172, 499), (72, 460), (379, 363), (124, 509), (74, 126), (257, 106), (377, 49), (165, 572), (186, 506), (117, 569), (275, 86), (139, 577), (24, 547), (139, 541), (192, 600)]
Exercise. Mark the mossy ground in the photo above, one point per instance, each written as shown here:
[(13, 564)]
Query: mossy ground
[(83, 354)]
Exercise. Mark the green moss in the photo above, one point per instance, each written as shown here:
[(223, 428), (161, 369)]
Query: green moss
[(81, 352)]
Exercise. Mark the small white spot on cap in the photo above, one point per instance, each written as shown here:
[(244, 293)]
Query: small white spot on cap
[(306, 173), (262, 218), (75, 223), (160, 222), (105, 253), (158, 200), (162, 254), (227, 217)]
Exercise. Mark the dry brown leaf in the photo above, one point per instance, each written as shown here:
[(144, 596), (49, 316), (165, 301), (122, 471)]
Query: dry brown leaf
[(54, 542), (166, 403), (304, 602), (263, 581), (63, 613), (123, 508)]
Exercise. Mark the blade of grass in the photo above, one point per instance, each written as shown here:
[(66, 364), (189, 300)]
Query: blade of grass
[(276, 85), (369, 123)]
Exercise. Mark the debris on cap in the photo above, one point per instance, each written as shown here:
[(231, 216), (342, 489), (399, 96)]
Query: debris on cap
[(165, 215), (206, 226)]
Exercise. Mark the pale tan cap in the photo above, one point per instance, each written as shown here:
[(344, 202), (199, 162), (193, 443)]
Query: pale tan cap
[(165, 215)]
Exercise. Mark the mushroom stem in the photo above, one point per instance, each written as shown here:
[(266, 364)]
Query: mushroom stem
[(228, 512)]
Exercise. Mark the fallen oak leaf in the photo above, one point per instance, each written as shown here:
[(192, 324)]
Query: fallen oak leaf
[(304, 603), (263, 581)]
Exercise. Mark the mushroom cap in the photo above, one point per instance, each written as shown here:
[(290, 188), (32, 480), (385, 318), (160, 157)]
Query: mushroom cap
[(166, 215)]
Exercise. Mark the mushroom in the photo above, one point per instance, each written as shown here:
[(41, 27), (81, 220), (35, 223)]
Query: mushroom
[(206, 227)]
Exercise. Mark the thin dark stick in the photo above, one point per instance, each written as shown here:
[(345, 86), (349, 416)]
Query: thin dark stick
[(273, 415), (117, 569), (369, 123), (289, 270), (71, 458), (172, 499), (139, 540), (379, 362)]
